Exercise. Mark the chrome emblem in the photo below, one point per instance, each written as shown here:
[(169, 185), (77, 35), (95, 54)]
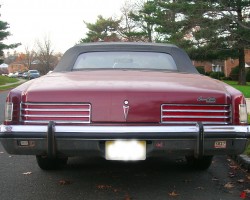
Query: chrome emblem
[(207, 100), (125, 109)]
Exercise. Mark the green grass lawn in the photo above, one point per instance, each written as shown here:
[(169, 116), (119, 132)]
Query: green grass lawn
[(6, 79), (245, 89)]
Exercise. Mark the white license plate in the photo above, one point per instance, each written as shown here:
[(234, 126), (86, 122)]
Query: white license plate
[(125, 150)]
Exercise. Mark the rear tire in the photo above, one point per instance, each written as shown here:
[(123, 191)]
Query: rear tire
[(201, 163), (46, 163)]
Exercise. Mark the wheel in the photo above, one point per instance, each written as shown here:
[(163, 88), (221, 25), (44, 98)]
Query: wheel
[(46, 163), (201, 163)]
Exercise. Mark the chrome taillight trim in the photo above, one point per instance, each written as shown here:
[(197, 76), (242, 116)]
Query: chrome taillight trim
[(57, 110), (57, 116), (206, 111), (197, 117), (200, 109), (55, 113), (8, 112), (56, 122)]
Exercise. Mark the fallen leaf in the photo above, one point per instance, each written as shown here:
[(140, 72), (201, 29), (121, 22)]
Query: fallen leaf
[(247, 191), (10, 156), (215, 179), (243, 195), (127, 197), (173, 194), (27, 173), (240, 181), (103, 187), (229, 185), (64, 182), (234, 167), (115, 190), (231, 174), (229, 160)]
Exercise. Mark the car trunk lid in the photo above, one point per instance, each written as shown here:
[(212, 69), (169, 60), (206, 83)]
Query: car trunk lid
[(128, 97)]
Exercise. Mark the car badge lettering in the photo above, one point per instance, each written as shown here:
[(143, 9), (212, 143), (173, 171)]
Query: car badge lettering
[(125, 109), (207, 100)]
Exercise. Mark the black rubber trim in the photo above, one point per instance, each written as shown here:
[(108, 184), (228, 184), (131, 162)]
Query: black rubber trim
[(200, 140), (151, 135), (51, 140)]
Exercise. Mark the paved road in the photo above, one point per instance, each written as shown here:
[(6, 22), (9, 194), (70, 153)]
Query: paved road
[(97, 179)]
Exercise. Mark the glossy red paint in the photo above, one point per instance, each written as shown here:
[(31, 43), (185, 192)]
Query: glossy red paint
[(107, 90)]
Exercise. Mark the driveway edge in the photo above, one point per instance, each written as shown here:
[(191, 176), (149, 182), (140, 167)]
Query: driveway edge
[(243, 161)]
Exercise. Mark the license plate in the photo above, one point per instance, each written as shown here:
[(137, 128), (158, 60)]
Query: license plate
[(125, 150)]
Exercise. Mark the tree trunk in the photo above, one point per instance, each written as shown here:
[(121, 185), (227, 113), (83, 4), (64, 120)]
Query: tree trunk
[(242, 69)]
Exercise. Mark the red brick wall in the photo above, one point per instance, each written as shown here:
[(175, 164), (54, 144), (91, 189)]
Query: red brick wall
[(228, 64), (16, 67)]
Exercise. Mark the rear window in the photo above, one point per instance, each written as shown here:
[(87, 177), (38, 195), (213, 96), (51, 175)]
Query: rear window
[(125, 60), (33, 71)]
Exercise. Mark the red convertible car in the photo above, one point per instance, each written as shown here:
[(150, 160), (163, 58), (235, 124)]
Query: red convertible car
[(124, 101)]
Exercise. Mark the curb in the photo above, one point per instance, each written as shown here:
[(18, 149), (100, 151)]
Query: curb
[(243, 161)]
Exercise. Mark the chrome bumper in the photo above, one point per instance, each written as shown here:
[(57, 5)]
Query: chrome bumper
[(198, 140)]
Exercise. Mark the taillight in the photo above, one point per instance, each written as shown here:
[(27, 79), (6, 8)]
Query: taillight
[(243, 113), (8, 111)]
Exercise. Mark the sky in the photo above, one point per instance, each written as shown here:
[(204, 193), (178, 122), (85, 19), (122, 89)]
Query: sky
[(59, 20)]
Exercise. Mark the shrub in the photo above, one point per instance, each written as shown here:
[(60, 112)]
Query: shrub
[(234, 74), (248, 75), (226, 78), (208, 73), (201, 69), (217, 75)]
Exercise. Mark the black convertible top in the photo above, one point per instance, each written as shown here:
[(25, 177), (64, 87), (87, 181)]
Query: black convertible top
[(180, 57)]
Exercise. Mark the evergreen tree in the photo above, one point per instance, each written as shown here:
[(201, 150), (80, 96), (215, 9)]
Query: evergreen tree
[(102, 30), (207, 29), (3, 35)]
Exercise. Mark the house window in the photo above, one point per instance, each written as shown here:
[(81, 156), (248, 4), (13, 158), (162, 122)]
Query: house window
[(216, 68)]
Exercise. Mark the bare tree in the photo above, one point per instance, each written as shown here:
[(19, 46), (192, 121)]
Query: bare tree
[(45, 55), (30, 56), (136, 22)]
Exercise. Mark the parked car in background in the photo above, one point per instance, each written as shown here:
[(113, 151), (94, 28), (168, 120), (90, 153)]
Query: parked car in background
[(25, 75), (124, 101), (12, 75), (19, 74), (33, 74)]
